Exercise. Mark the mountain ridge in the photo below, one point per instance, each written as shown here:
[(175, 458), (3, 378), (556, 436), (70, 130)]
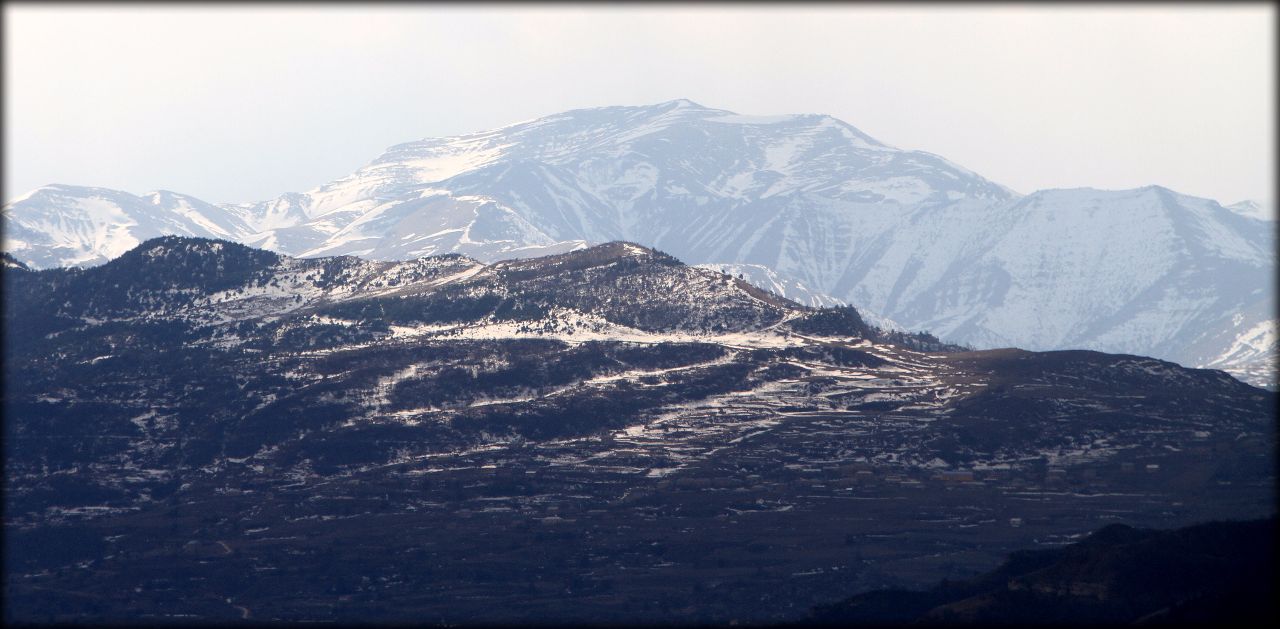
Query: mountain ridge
[(910, 238), (550, 438)]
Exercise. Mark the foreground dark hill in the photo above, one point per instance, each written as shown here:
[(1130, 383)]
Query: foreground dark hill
[(1220, 573), (199, 428)]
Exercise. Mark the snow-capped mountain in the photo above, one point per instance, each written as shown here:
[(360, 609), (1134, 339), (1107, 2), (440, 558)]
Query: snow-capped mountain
[(908, 237), (1254, 209), (1145, 271), (705, 184), (687, 176), (59, 225)]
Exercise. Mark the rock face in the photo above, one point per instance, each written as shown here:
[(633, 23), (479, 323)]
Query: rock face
[(908, 237), (340, 438)]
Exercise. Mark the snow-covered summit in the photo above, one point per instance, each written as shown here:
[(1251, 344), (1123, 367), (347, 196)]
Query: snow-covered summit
[(668, 174)]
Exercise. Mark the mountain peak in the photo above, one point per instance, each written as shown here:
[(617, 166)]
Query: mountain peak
[(624, 249), (598, 255), (680, 103), (60, 189), (172, 248), (1253, 209)]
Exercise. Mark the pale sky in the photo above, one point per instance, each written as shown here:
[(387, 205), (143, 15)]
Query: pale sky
[(234, 103)]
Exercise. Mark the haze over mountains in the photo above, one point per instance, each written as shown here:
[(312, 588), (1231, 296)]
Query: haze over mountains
[(814, 206)]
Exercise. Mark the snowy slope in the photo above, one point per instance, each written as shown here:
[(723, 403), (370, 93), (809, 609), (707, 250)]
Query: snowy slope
[(427, 222), (695, 181), (60, 225), (1253, 350), (816, 208), (795, 290), (1123, 271), (1253, 209), (768, 279)]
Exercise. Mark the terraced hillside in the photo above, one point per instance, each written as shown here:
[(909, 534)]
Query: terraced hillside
[(202, 430)]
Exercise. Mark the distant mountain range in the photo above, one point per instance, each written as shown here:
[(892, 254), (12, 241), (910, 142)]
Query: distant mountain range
[(805, 204)]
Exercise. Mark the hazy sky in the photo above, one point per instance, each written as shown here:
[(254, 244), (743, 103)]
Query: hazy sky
[(239, 103)]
